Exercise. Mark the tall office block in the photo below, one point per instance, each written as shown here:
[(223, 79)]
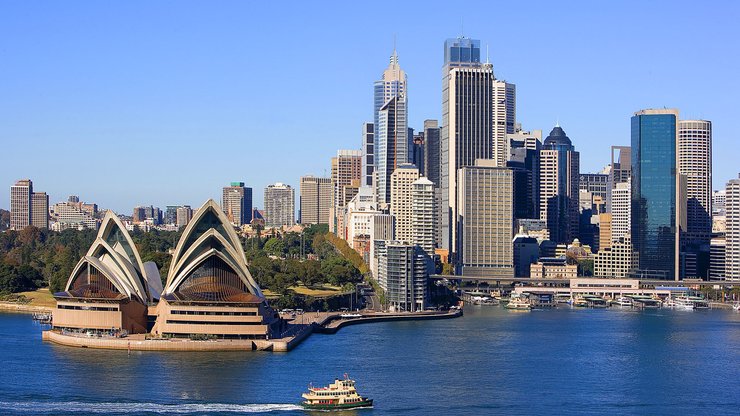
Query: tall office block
[(467, 130), (346, 177), (279, 205), (418, 151), (431, 154), (315, 200), (695, 162), (732, 234), (621, 214), (559, 186), (184, 215), (423, 215), (656, 195), (368, 154), (40, 210), (485, 221), (621, 164), (391, 126), (504, 120), (524, 161), (236, 202), (401, 206), (20, 204), (717, 250), (170, 214)]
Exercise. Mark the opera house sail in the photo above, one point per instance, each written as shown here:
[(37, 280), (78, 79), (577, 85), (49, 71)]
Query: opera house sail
[(109, 288), (209, 290)]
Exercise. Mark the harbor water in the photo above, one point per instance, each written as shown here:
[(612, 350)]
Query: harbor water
[(491, 361)]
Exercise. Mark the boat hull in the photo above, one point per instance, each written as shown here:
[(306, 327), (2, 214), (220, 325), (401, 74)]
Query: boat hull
[(345, 406)]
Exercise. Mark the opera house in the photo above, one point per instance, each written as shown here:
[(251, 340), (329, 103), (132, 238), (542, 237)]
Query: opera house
[(209, 291)]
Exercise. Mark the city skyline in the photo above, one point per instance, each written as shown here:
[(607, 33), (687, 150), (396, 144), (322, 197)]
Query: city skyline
[(151, 97)]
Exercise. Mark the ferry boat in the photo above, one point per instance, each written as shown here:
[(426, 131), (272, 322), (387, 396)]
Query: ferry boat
[(518, 303), (579, 302), (339, 395), (683, 302), (622, 301)]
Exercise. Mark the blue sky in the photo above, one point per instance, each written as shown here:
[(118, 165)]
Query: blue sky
[(164, 103)]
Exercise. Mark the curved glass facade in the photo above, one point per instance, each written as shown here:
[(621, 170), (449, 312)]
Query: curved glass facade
[(654, 208)]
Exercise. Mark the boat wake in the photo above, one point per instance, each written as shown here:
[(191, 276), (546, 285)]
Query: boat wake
[(78, 407)]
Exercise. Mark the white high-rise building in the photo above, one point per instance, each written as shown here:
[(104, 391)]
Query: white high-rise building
[(20, 204), (695, 162), (621, 210), (504, 120), (732, 235), (401, 201), (279, 205), (391, 126), (423, 215)]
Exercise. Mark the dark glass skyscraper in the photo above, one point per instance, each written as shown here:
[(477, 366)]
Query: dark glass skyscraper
[(656, 207)]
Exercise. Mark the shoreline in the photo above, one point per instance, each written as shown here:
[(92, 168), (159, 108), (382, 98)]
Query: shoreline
[(329, 325), (23, 308)]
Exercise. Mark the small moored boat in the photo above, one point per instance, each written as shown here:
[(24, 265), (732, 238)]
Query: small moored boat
[(339, 395)]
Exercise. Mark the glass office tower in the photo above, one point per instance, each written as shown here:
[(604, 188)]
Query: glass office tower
[(656, 207)]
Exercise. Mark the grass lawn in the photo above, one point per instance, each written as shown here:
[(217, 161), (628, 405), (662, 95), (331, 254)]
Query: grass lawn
[(41, 297), (323, 291)]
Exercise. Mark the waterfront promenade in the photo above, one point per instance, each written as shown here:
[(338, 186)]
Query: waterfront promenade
[(298, 328)]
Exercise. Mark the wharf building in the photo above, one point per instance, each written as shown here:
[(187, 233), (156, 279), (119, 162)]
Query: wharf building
[(28, 207), (559, 186), (279, 205), (484, 221), (478, 112), (392, 140), (236, 201), (315, 200), (209, 291), (657, 205)]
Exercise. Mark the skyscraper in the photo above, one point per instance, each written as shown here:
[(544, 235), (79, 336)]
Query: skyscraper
[(20, 204), (732, 235), (485, 221), (656, 196), (346, 175), (316, 197), (391, 125), (695, 162), (403, 270), (559, 186), (184, 215), (40, 209), (431, 151), (423, 215), (236, 202), (279, 205), (368, 154), (478, 111), (621, 214), (401, 205)]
